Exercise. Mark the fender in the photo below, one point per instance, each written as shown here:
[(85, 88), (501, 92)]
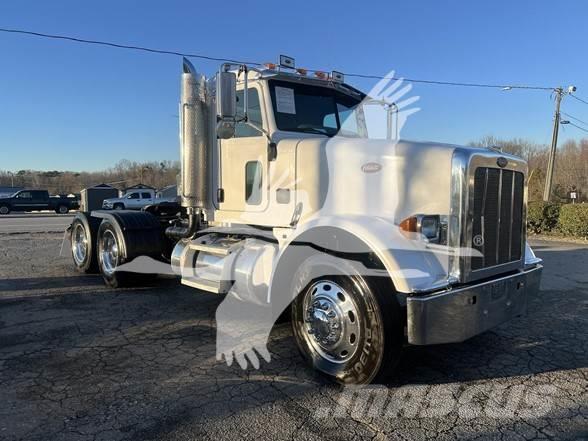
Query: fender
[(140, 232), (411, 263)]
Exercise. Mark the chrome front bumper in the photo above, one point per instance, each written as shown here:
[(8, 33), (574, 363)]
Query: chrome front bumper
[(455, 315)]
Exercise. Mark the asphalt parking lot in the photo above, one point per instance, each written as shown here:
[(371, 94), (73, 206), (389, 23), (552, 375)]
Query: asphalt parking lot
[(82, 362)]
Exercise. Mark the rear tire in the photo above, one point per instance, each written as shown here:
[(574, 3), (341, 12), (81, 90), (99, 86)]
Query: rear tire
[(4, 209), (83, 244), (62, 209), (112, 251), (348, 326)]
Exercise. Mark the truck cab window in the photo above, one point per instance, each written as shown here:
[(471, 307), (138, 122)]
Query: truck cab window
[(133, 196), (313, 109), (253, 177), (243, 130), (24, 195), (145, 195)]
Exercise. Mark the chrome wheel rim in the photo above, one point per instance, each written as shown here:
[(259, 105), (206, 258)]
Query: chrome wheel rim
[(108, 252), (331, 321), (79, 244)]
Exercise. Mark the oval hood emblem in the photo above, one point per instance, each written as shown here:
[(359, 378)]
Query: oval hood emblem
[(502, 162), (371, 167)]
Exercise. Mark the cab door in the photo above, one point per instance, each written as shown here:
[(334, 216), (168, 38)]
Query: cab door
[(23, 201), (147, 199), (133, 200), (244, 161)]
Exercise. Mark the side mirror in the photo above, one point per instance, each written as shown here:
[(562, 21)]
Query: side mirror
[(226, 104)]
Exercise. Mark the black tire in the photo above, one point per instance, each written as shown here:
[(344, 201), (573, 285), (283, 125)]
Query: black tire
[(108, 265), (375, 352), (118, 206), (4, 209), (86, 262), (62, 209)]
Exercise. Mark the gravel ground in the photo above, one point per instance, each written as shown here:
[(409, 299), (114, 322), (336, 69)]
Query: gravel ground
[(82, 362)]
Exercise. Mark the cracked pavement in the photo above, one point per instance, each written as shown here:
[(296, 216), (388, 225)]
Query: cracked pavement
[(79, 361)]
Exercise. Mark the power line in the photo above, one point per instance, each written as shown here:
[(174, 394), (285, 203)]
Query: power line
[(578, 127), (574, 118), (578, 98), (229, 60), (126, 46), (451, 83)]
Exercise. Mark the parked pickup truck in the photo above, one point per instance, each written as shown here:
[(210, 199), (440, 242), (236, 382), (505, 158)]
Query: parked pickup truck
[(133, 200), (37, 200)]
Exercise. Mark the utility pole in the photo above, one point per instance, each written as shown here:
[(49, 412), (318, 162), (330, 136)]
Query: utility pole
[(551, 163)]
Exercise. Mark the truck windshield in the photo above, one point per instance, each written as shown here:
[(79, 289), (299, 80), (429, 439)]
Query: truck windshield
[(313, 109)]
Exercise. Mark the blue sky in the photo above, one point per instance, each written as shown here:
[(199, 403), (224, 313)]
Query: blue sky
[(71, 106)]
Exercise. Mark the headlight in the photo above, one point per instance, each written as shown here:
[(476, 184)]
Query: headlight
[(429, 226)]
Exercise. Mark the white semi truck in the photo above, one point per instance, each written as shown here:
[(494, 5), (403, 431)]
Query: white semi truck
[(287, 207)]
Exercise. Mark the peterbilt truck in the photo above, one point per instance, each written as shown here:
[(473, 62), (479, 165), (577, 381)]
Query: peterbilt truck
[(289, 208)]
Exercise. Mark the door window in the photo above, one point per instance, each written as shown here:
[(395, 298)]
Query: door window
[(146, 195), (133, 196), (24, 195), (243, 130), (253, 177)]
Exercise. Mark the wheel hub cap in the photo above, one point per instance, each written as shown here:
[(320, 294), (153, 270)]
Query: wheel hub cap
[(109, 253), (79, 244), (331, 321)]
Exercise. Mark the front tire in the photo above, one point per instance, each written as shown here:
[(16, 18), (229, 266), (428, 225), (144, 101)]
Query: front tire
[(347, 325), (118, 207), (4, 209), (62, 209)]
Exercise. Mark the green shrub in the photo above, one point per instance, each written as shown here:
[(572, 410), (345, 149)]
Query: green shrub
[(542, 216), (573, 220)]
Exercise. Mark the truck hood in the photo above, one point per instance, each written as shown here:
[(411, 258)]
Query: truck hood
[(376, 177)]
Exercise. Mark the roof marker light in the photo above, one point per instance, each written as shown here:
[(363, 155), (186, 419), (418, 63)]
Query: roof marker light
[(271, 66), (286, 61), (320, 75), (302, 71), (337, 76)]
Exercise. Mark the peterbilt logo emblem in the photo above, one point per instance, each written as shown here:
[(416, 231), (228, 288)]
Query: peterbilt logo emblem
[(371, 167), (478, 240), (502, 162)]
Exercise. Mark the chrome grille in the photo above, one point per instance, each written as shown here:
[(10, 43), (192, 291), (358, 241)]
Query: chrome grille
[(497, 224)]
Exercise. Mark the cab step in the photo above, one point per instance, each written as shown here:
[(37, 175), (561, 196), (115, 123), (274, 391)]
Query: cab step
[(212, 286), (217, 249)]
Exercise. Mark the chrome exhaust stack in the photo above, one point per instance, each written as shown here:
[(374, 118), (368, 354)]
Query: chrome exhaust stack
[(194, 151), (194, 140)]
